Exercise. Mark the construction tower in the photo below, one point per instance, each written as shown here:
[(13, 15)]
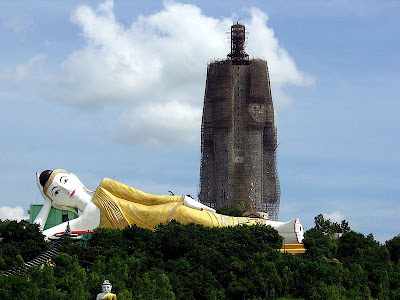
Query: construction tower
[(238, 133)]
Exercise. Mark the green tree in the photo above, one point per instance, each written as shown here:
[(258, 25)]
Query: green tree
[(153, 285), (19, 238), (318, 244), (393, 246), (329, 227), (195, 262), (373, 258), (72, 277), (228, 211)]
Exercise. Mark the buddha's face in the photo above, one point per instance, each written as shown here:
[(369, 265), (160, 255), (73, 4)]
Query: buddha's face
[(107, 288), (65, 189)]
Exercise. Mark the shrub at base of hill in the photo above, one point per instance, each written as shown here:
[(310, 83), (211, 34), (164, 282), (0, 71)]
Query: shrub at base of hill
[(318, 244), (368, 259), (393, 247), (199, 262), (194, 262), (228, 211), (364, 263), (19, 240)]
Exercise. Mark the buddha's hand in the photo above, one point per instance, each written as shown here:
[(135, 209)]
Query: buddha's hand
[(190, 202)]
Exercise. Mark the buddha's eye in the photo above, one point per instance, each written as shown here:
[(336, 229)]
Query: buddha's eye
[(63, 179), (56, 192)]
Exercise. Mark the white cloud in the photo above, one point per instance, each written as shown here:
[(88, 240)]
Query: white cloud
[(34, 64), (18, 24), (157, 66), (163, 123), (32, 68), (12, 213), (262, 43), (335, 216)]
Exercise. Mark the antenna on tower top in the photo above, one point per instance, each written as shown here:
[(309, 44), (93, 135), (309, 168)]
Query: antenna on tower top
[(238, 39)]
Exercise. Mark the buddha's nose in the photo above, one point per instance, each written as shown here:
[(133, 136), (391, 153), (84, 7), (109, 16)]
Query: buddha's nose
[(66, 189)]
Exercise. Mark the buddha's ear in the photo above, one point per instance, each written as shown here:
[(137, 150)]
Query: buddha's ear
[(41, 188), (76, 178), (63, 207)]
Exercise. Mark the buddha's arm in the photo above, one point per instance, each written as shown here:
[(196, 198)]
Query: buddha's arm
[(128, 193), (61, 227), (131, 194), (42, 216), (89, 220)]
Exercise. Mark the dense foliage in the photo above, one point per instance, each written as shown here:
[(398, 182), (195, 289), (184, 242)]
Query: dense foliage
[(229, 211), (194, 262), (20, 241)]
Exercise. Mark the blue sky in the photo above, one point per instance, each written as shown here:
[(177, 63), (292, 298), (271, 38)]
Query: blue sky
[(115, 90)]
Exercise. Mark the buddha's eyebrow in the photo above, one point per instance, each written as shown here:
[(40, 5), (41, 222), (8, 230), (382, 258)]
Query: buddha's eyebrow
[(54, 188), (62, 177)]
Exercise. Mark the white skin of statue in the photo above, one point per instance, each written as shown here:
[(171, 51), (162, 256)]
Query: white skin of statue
[(67, 190), (106, 290)]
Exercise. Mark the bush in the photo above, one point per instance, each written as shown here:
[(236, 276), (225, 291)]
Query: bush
[(195, 262)]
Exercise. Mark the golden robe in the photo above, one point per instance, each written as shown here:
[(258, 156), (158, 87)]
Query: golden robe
[(110, 296), (121, 205)]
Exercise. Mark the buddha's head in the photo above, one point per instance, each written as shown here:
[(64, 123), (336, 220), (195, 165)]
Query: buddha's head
[(64, 189), (106, 287)]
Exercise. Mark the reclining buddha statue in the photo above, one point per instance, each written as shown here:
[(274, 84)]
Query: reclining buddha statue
[(117, 205)]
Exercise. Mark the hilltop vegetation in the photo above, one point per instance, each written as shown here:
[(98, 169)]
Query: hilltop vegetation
[(194, 262)]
